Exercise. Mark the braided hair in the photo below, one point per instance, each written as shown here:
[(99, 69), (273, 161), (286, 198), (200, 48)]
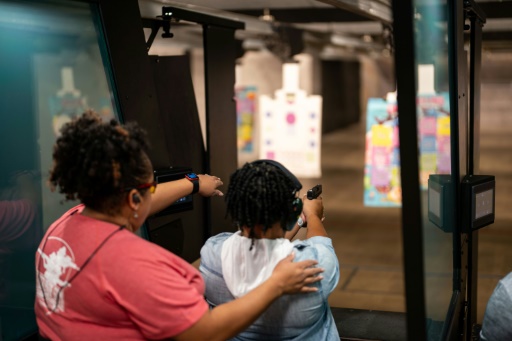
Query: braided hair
[(260, 194), (95, 161)]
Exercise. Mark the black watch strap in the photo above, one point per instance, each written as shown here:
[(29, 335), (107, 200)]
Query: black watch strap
[(196, 186)]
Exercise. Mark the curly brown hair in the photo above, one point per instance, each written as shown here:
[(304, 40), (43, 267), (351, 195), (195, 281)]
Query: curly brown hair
[(96, 161)]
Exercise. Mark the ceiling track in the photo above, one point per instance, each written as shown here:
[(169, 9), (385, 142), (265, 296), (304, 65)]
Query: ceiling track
[(152, 9), (254, 27), (379, 10)]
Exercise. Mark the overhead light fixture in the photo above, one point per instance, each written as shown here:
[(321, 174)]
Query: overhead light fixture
[(267, 16), (253, 44), (166, 23), (367, 38)]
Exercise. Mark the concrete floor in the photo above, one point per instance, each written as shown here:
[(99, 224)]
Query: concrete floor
[(368, 240)]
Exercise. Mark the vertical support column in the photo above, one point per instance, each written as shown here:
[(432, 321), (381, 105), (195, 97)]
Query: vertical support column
[(221, 153), (475, 60), (340, 86), (132, 73), (458, 130), (412, 225)]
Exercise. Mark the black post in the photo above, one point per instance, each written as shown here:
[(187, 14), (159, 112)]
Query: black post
[(412, 225), (220, 50), (221, 151), (132, 72), (459, 143), (475, 61)]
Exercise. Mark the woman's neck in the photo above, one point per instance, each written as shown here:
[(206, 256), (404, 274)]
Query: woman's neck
[(117, 219), (274, 232)]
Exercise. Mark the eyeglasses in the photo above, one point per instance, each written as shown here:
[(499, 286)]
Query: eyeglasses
[(150, 185)]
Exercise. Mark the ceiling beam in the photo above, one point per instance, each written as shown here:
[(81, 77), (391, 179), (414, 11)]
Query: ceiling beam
[(496, 9), (496, 36), (305, 15), (379, 10)]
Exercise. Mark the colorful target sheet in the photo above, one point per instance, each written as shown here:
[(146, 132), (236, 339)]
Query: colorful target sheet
[(245, 113), (434, 136), (290, 127), (382, 162), (291, 131)]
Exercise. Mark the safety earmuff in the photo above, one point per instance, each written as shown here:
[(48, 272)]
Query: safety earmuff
[(297, 186), (296, 211)]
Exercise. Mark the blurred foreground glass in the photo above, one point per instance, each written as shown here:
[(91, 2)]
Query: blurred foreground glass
[(53, 66)]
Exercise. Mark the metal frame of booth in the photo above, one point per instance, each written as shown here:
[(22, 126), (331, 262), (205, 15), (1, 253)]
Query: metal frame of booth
[(461, 315)]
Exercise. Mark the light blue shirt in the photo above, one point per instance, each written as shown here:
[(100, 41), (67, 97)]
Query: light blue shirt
[(497, 324), (291, 317)]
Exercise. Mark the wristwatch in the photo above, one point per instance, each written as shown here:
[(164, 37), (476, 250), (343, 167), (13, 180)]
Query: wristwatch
[(192, 177), (301, 222)]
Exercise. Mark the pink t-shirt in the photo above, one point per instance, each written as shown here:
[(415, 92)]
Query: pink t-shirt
[(130, 289)]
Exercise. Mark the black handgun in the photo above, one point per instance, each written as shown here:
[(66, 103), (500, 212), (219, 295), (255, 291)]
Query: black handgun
[(314, 192)]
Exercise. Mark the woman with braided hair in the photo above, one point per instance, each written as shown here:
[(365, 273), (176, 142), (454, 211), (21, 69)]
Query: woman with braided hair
[(97, 280), (262, 200)]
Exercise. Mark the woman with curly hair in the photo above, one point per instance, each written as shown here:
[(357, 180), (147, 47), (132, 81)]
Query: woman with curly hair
[(97, 280)]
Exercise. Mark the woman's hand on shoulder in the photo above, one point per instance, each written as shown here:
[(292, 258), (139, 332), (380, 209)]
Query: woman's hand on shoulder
[(294, 277), (208, 185)]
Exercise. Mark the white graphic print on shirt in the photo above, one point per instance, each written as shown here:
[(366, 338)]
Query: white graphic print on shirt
[(58, 266)]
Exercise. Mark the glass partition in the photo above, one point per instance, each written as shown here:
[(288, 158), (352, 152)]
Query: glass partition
[(437, 199), (52, 67)]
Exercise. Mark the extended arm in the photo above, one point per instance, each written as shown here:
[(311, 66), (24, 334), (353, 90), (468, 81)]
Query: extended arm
[(167, 193), (313, 213)]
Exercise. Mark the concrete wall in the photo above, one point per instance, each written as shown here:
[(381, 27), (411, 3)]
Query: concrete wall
[(377, 79), (496, 92)]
